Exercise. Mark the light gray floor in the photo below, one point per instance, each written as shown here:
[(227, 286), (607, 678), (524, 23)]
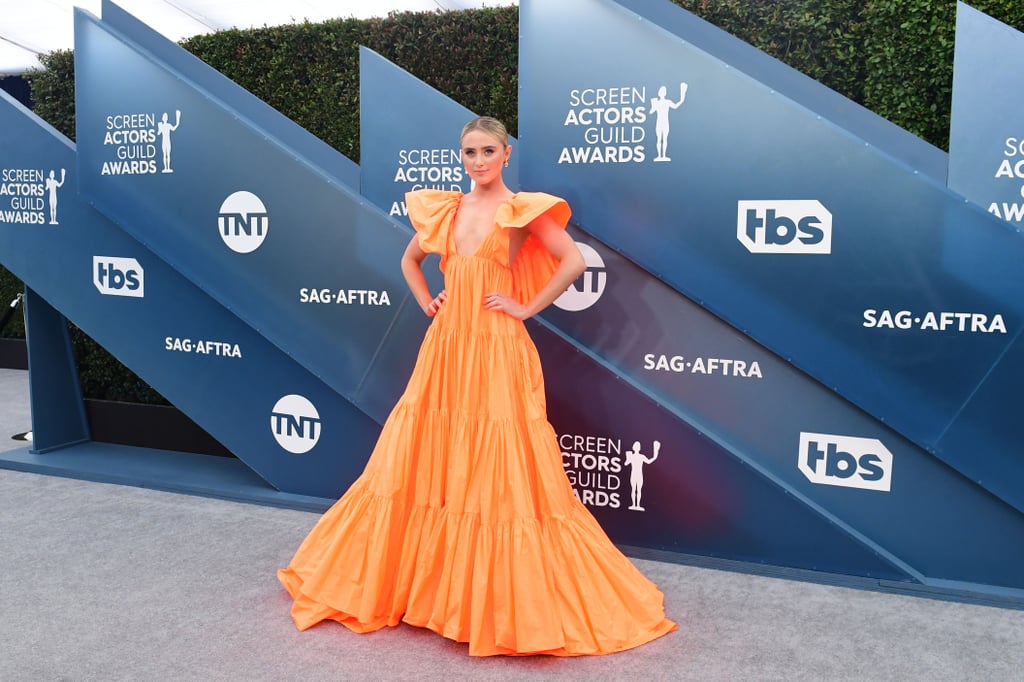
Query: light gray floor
[(105, 582)]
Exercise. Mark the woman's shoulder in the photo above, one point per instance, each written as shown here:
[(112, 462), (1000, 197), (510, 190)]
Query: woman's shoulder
[(432, 197), (531, 198), (525, 207), (427, 208)]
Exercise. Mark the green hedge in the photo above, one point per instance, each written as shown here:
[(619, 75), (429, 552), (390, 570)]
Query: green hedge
[(893, 56), (909, 56), (820, 38)]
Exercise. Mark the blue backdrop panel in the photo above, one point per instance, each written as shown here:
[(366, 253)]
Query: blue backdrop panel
[(55, 396), (392, 164), (811, 241), (214, 188), (982, 420), (986, 141), (598, 416), (792, 345), (628, 359), (219, 371), (756, 406), (696, 496)]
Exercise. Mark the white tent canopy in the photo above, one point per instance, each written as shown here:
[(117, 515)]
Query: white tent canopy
[(29, 28)]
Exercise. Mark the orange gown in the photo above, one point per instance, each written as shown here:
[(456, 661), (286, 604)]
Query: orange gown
[(464, 521)]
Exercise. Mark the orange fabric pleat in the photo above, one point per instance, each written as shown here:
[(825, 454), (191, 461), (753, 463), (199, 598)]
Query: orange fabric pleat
[(463, 521)]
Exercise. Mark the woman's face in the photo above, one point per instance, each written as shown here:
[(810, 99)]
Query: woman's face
[(483, 156)]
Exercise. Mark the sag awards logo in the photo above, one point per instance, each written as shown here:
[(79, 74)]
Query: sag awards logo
[(426, 169), (614, 124), (588, 287), (1014, 170), (295, 424), (243, 222), (132, 141), (602, 474), (28, 196)]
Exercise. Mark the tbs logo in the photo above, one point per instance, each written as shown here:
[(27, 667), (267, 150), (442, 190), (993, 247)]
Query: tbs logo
[(799, 226), (845, 461), (118, 276)]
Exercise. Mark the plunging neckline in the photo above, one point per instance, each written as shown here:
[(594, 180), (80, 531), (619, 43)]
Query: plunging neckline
[(490, 233)]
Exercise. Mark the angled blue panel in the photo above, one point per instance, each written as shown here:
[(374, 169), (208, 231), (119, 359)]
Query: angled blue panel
[(872, 278), (755, 406), (695, 497), (215, 368), (55, 396), (388, 101), (215, 186), (393, 100), (989, 418), (986, 142), (860, 121)]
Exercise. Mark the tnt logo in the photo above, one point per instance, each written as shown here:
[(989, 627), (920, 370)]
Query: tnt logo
[(845, 461), (243, 222), (295, 424), (118, 276), (589, 286), (803, 226)]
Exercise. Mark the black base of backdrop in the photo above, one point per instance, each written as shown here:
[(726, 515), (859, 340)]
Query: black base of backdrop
[(149, 426), (13, 354)]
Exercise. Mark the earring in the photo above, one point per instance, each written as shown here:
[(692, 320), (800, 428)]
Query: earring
[(506, 163)]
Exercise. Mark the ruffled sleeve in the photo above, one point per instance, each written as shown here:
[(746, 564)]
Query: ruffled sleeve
[(534, 264), (431, 212)]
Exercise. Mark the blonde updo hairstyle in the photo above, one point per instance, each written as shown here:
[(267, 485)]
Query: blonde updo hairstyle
[(486, 124)]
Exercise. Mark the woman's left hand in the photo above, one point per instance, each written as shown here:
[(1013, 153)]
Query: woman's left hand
[(502, 303)]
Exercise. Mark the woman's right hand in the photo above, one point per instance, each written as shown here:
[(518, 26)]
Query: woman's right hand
[(435, 305)]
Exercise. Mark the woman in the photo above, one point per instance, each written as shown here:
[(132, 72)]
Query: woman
[(463, 520)]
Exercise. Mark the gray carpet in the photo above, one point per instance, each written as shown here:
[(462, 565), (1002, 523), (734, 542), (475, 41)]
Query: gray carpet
[(105, 582)]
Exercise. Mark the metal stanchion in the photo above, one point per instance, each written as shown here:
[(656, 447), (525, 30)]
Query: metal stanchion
[(8, 313)]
